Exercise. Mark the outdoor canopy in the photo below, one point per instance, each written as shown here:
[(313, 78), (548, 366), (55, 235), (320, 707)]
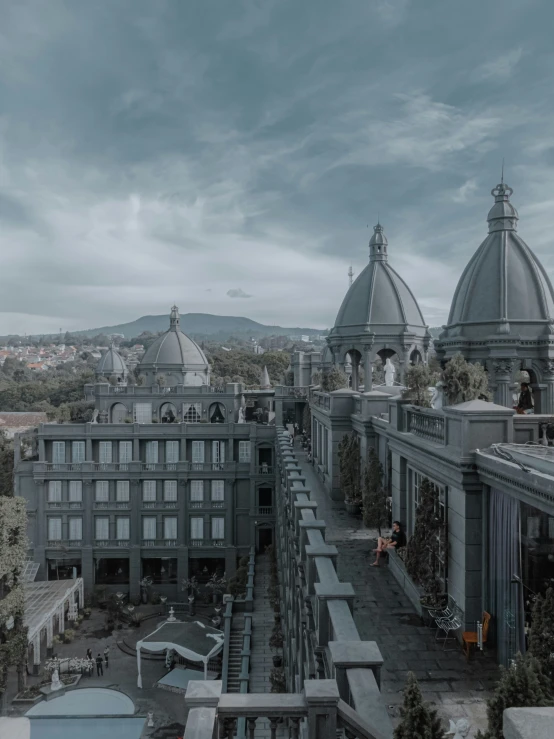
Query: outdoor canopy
[(192, 640)]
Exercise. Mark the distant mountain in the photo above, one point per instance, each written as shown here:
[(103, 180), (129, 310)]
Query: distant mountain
[(200, 324)]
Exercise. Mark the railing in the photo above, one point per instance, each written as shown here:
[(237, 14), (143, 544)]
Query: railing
[(64, 543), (197, 542), (73, 504), (197, 504), (218, 542), (159, 542), (323, 401), (120, 505), (429, 426), (266, 510), (111, 542), (265, 469), (299, 391), (63, 466)]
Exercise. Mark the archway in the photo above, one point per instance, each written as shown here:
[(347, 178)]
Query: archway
[(415, 357), (217, 413), (264, 537), (534, 384), (168, 413), (355, 362), (119, 413)]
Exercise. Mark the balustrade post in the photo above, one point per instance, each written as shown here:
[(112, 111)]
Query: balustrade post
[(354, 654), (325, 592), (313, 551), (322, 697)]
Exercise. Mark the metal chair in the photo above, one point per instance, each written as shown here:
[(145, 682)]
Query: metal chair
[(445, 612), (447, 625)]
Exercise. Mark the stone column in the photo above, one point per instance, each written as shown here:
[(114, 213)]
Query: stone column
[(503, 371), (49, 636), (36, 654), (322, 697), (182, 570), (547, 395), (368, 375)]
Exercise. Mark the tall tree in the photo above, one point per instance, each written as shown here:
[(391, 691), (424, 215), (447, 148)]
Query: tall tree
[(349, 467), (374, 496), (541, 633), (429, 536), (418, 379), (464, 381), (418, 719)]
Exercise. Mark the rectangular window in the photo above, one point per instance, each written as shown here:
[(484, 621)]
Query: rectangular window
[(122, 491), (149, 527), (170, 527), (75, 491), (142, 412), (192, 412), (122, 527), (218, 528), (197, 528), (105, 452), (55, 491), (77, 452), (102, 529), (170, 491), (102, 491), (218, 454), (54, 529), (75, 529), (171, 452), (58, 452), (151, 452), (198, 452), (197, 490), (149, 491), (218, 490), (244, 451), (125, 452)]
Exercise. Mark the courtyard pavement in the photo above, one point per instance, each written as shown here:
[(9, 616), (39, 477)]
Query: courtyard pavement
[(383, 613)]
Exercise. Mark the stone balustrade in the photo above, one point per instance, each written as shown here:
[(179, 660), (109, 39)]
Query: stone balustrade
[(426, 424)]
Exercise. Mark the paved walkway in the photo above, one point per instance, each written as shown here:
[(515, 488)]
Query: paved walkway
[(384, 614)]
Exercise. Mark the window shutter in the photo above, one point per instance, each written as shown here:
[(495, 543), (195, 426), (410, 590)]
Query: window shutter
[(122, 525), (55, 529), (151, 452), (170, 490), (105, 452), (171, 452), (196, 528), (75, 529), (197, 490), (58, 452), (122, 491), (244, 451), (102, 528), (75, 491), (198, 451), (218, 528), (102, 492), (55, 491), (149, 491), (149, 527), (218, 490), (170, 527), (77, 452), (125, 452)]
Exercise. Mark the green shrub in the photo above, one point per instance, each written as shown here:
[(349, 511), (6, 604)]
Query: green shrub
[(68, 636)]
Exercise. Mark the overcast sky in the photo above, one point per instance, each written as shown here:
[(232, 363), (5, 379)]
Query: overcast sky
[(229, 155)]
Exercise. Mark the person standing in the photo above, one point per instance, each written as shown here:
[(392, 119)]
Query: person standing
[(99, 667), (106, 656), (89, 653)]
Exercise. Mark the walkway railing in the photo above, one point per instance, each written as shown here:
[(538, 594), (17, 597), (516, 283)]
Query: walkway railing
[(427, 425)]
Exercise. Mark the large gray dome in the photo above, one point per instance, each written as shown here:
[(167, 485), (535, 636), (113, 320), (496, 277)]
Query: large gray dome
[(175, 355), (504, 283), (379, 300)]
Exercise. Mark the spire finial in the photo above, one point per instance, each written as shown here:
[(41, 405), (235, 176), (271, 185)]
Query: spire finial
[(502, 177)]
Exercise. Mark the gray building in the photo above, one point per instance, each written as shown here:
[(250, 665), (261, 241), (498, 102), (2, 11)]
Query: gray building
[(173, 477)]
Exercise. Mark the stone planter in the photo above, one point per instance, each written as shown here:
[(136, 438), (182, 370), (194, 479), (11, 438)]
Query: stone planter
[(353, 509), (413, 591), (277, 660)]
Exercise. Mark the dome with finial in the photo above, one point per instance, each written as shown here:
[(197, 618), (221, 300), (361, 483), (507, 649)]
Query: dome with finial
[(111, 364), (378, 298), (176, 357), (504, 289)]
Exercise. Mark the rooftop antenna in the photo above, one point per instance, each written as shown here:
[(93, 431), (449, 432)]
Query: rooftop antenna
[(350, 275), (502, 178)]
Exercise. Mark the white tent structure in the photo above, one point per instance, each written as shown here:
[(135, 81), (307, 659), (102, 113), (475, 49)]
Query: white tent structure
[(193, 640)]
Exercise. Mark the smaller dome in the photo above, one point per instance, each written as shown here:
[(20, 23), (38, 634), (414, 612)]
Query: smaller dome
[(111, 363)]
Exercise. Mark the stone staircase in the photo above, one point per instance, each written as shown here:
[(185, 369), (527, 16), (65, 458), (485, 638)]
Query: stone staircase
[(235, 649)]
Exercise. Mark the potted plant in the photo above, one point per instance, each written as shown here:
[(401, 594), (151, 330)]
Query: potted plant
[(277, 680), (276, 642), (68, 636), (145, 583), (87, 612), (217, 585)]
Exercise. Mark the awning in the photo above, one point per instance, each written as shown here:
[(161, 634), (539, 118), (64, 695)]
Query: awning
[(193, 640)]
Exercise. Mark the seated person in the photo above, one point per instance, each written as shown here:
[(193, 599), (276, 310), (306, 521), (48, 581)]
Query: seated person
[(396, 540), (525, 400)]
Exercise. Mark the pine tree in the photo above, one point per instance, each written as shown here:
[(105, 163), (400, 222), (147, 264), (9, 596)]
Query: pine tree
[(418, 379), (374, 496), (464, 381), (349, 467), (307, 420), (419, 720), (541, 633), (333, 379), (521, 686), (424, 544)]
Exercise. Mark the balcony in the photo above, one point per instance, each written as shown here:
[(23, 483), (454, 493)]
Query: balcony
[(197, 542), (265, 510), (112, 542), (64, 543), (427, 425), (119, 505), (64, 466), (218, 542), (159, 542), (197, 504), (265, 469)]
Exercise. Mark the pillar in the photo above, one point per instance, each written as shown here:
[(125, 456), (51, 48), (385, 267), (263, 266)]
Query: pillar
[(547, 395), (368, 366), (36, 654), (182, 569), (49, 636), (503, 371)]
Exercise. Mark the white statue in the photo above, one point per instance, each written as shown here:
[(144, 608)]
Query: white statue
[(437, 400), (390, 371), (56, 684), (241, 416), (459, 729), (95, 416)]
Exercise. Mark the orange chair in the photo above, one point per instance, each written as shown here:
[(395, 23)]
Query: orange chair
[(471, 637)]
